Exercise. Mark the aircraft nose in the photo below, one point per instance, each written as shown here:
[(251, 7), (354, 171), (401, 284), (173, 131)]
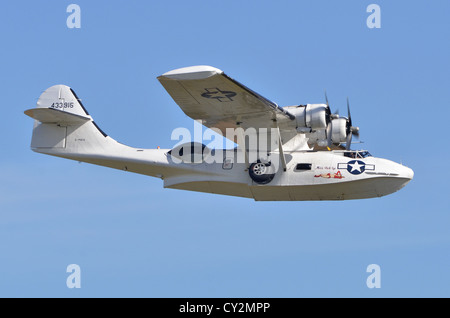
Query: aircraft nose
[(407, 173)]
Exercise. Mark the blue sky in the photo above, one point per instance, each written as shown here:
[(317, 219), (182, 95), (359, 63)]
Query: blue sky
[(132, 238)]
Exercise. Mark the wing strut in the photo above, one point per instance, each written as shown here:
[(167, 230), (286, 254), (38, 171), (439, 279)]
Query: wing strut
[(241, 141), (280, 147)]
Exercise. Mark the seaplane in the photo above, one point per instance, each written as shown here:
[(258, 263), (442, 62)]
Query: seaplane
[(292, 153)]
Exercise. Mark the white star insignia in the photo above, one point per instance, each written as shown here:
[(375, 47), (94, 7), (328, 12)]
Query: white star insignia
[(355, 166)]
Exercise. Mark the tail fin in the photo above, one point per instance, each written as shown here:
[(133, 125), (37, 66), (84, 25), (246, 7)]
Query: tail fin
[(62, 124), (64, 128)]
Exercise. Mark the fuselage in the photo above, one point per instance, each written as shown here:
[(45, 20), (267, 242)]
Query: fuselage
[(309, 175)]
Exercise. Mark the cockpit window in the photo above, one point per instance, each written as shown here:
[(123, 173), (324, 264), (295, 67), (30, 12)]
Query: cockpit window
[(357, 154), (364, 154), (350, 154)]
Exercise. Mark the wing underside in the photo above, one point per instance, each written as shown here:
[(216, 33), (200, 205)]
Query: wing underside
[(208, 95)]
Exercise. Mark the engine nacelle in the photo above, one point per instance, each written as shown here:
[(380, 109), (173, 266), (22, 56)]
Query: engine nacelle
[(310, 117), (339, 130)]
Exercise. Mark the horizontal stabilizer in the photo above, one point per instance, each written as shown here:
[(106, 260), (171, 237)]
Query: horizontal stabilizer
[(55, 116)]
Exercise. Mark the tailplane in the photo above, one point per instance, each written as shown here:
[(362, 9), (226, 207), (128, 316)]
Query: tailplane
[(63, 125)]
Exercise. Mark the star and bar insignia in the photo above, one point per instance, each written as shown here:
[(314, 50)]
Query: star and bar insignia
[(356, 166)]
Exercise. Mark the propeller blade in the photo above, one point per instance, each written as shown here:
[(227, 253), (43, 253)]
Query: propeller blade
[(329, 134), (348, 142), (328, 110), (348, 112)]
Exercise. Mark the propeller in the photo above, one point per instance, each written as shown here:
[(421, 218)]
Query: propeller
[(329, 134), (330, 117), (350, 129)]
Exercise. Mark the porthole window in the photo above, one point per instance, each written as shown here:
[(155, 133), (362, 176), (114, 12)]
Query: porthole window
[(303, 166)]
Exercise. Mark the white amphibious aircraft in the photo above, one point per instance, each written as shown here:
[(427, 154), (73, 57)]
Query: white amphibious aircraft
[(290, 153)]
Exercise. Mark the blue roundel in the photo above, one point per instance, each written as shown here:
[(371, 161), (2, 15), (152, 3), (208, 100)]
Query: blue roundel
[(356, 166)]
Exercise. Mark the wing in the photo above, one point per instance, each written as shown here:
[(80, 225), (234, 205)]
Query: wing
[(205, 93)]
